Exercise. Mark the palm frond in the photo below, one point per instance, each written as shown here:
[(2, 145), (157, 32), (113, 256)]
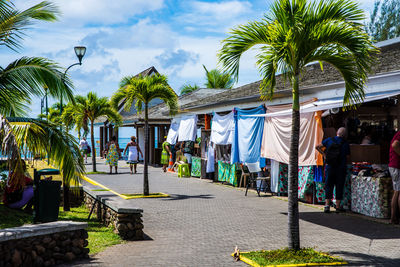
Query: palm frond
[(187, 88), (40, 137), (29, 76), (13, 23)]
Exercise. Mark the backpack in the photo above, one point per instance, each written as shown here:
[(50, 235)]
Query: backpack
[(89, 150), (333, 153)]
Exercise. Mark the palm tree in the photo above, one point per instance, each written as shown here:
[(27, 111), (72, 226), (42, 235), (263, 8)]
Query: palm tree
[(70, 121), (88, 109), (35, 135), (187, 88), (53, 114), (27, 76), (296, 33), (141, 90), (218, 79)]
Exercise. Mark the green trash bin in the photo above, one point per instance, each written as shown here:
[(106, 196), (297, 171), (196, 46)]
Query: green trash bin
[(46, 197)]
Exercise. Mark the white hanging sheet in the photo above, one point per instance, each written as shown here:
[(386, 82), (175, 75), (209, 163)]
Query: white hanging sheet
[(173, 131), (210, 159), (187, 128), (222, 129)]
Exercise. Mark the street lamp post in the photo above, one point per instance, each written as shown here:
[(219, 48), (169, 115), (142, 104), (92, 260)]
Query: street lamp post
[(79, 52)]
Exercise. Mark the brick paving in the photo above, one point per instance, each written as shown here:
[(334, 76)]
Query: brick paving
[(202, 222)]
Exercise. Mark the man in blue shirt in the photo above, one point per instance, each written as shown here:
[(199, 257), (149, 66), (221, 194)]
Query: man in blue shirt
[(336, 168)]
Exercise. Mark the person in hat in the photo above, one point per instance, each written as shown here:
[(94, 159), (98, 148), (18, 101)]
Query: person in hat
[(165, 154)]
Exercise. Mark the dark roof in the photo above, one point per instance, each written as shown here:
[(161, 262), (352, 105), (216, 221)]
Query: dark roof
[(388, 60), (160, 112), (147, 72)]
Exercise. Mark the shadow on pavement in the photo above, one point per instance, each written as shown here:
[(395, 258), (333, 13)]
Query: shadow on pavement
[(182, 197), (352, 225), (361, 259)]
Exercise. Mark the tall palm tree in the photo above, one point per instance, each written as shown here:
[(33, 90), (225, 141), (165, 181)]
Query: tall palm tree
[(187, 88), (27, 76), (218, 79), (88, 109), (296, 33), (141, 90)]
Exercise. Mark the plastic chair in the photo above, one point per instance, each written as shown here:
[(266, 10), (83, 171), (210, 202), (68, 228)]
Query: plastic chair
[(183, 167), (183, 170)]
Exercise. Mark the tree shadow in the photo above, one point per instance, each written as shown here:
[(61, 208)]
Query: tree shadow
[(361, 259), (352, 225), (183, 197)]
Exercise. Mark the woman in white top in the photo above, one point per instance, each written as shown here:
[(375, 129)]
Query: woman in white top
[(133, 156)]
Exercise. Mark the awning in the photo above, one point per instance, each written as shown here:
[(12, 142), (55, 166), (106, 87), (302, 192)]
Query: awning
[(330, 103)]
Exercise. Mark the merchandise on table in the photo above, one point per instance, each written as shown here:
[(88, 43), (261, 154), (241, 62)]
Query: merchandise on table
[(228, 173), (196, 167)]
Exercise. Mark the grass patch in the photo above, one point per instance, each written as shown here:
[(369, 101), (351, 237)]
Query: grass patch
[(100, 190), (100, 236), (13, 218), (39, 165), (129, 196), (302, 257), (96, 173)]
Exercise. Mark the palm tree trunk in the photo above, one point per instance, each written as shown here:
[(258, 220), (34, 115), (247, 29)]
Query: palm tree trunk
[(93, 146), (146, 151), (293, 205)]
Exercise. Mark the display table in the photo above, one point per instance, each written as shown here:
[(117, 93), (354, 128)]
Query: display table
[(371, 196), (196, 167), (306, 183), (227, 173)]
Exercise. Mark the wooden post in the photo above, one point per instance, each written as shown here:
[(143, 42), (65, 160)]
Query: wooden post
[(101, 140)]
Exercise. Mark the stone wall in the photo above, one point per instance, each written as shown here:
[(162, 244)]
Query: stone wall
[(43, 244), (127, 224)]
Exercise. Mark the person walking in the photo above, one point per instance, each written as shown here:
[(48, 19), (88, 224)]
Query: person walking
[(165, 154), (335, 151), (84, 146), (394, 169), (113, 154), (133, 155)]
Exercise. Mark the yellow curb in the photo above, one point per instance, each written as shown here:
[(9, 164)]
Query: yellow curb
[(87, 179), (131, 196), (254, 264)]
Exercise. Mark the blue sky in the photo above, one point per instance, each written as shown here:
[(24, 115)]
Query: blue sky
[(124, 37)]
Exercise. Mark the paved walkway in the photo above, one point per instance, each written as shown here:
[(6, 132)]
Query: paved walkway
[(202, 222)]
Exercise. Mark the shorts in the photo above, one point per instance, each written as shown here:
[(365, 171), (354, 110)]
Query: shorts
[(188, 157), (395, 174)]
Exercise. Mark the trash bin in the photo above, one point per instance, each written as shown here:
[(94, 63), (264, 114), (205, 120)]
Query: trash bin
[(46, 197)]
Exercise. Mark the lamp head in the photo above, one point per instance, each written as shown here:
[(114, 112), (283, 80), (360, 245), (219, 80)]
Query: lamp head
[(80, 52)]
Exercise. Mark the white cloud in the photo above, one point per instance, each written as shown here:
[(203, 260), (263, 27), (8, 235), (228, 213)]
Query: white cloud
[(222, 10), (216, 16), (102, 12)]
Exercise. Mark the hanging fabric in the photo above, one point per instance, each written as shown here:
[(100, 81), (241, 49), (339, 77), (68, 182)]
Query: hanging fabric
[(187, 128), (248, 135), (210, 159), (222, 129), (173, 131), (277, 134)]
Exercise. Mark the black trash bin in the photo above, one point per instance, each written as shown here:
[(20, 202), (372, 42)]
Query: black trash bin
[(46, 197)]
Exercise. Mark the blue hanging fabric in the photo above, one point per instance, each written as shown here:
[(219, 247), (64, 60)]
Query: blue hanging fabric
[(318, 174), (246, 146)]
